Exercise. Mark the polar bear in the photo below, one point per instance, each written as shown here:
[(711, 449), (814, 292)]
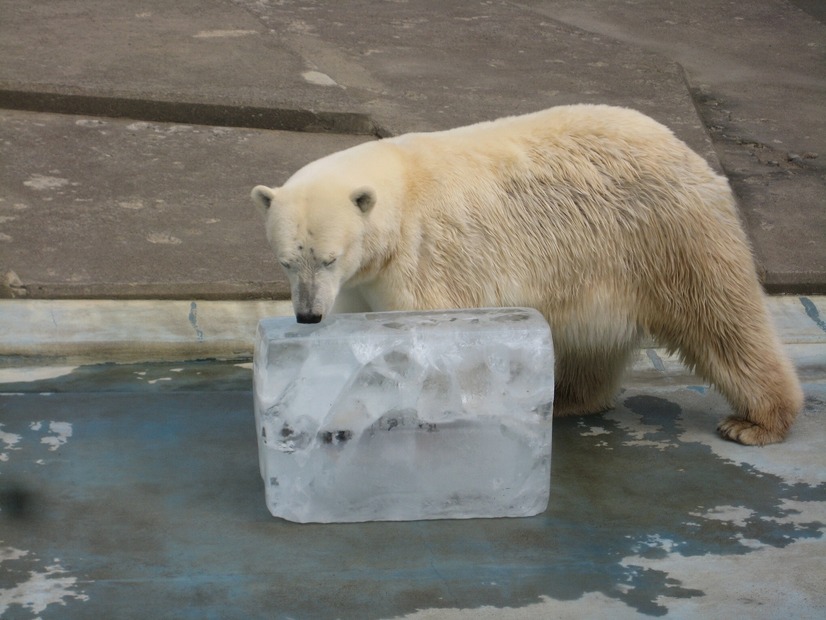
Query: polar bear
[(597, 216)]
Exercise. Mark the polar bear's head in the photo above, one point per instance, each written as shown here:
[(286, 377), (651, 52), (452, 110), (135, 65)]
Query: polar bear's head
[(317, 232)]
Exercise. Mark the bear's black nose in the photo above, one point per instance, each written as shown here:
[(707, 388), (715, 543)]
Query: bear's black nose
[(308, 317)]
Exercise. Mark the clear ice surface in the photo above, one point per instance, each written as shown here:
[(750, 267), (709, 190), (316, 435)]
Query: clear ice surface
[(405, 415)]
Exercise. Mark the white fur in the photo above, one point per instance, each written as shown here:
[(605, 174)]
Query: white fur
[(597, 216)]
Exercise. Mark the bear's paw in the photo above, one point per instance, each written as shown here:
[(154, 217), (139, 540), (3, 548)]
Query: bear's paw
[(747, 433)]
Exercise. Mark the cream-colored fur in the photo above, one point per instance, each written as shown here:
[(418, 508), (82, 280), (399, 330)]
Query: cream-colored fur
[(597, 216)]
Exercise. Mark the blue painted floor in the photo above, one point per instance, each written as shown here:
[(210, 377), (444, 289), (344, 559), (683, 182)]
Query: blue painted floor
[(133, 491)]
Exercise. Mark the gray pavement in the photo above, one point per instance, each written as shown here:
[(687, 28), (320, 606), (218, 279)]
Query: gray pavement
[(131, 135), (757, 74), (133, 491)]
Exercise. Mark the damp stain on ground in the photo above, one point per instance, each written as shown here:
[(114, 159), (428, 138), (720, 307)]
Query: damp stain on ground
[(160, 478)]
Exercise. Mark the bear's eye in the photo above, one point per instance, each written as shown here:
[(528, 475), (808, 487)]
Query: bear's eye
[(285, 264), (328, 263)]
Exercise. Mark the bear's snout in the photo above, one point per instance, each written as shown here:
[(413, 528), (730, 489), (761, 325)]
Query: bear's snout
[(308, 317)]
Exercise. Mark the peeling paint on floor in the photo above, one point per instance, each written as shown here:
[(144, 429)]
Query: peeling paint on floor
[(147, 489), (642, 509), (61, 431), (40, 585)]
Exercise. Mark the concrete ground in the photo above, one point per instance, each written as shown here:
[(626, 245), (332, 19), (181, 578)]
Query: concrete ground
[(129, 147), (130, 136), (132, 491)]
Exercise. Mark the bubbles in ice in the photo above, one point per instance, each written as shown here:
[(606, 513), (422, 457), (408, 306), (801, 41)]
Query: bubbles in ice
[(337, 437)]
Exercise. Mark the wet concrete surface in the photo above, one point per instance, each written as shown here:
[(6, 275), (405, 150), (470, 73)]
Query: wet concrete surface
[(133, 490)]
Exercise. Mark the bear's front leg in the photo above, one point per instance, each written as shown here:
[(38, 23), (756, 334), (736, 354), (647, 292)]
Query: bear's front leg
[(587, 381)]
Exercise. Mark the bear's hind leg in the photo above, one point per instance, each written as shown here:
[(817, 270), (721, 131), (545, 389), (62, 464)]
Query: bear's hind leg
[(766, 397), (730, 342), (587, 381)]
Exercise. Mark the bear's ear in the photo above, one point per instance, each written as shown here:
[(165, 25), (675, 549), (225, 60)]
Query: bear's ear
[(262, 197), (364, 198)]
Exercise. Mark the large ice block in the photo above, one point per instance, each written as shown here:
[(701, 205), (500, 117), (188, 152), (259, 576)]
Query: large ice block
[(405, 415)]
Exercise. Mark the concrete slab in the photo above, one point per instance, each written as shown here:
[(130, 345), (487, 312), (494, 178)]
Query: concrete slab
[(425, 65), (408, 66), (758, 76), (388, 68), (105, 208), (206, 62), (134, 490)]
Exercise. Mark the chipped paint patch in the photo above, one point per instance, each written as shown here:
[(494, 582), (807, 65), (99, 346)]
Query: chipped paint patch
[(655, 541), (800, 512), (90, 122), (62, 431), (318, 78), (223, 34), (10, 553), (163, 239), (9, 441), (640, 432), (162, 130), (134, 205), (39, 588), (750, 576), (42, 182), (594, 431), (749, 585), (592, 604), (736, 515)]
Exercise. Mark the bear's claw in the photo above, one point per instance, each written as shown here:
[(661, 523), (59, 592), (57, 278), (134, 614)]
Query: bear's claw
[(747, 433)]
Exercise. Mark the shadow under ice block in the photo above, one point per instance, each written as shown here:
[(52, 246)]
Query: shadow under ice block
[(405, 415)]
